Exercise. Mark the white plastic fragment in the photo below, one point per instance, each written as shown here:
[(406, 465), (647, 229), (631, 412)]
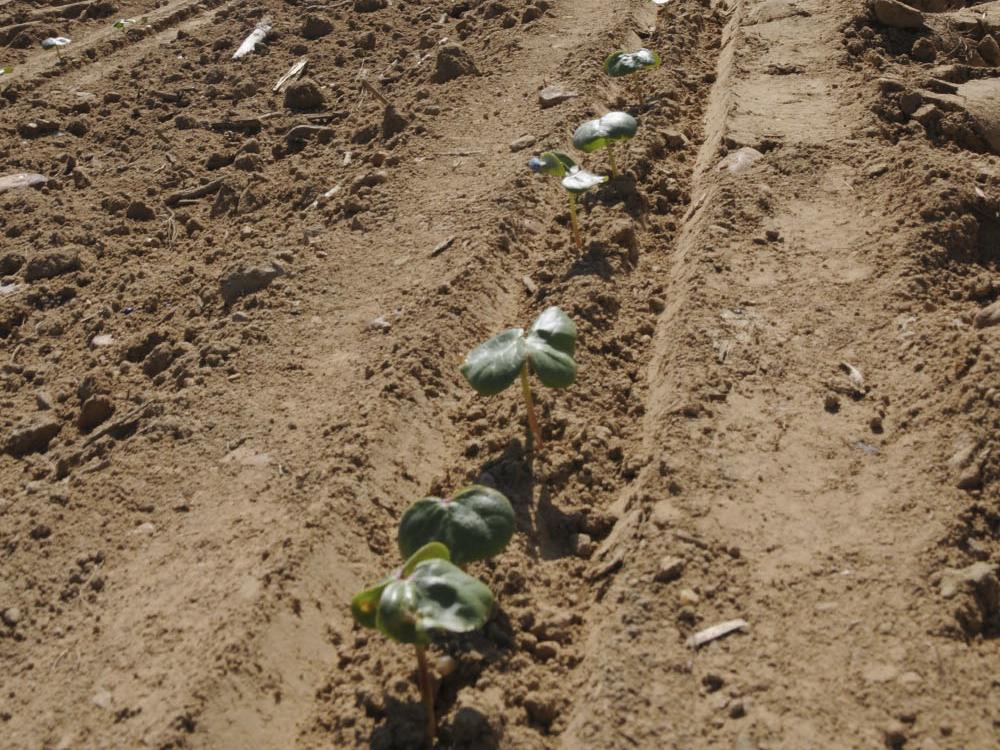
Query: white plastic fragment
[(740, 160), (293, 72), (258, 35), (854, 375), (716, 631)]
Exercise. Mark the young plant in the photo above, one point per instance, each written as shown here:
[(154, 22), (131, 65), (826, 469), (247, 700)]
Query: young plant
[(547, 349), (475, 524), (574, 179), (624, 63), (426, 595), (6, 71), (124, 23), (56, 43), (604, 132)]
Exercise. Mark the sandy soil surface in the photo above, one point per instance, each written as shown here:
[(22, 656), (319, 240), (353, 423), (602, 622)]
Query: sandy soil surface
[(231, 318)]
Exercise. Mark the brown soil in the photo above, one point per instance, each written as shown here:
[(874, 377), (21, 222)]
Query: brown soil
[(216, 403)]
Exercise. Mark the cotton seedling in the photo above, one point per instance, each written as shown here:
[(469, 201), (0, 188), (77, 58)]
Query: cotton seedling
[(427, 595), (573, 179), (475, 524), (56, 43), (632, 64), (604, 132), (6, 71), (547, 348)]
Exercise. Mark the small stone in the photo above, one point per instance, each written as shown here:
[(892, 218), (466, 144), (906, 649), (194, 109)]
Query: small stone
[(927, 115), (531, 13), (139, 211), (40, 532), (77, 127), (831, 403), (989, 50), (10, 263), (713, 682), (657, 304), (737, 710), (11, 616), (102, 340), (32, 438), (369, 6), (550, 96), (158, 359), (669, 569), (897, 15), (365, 41), (453, 61), (242, 281), (923, 50), (217, 160), (304, 96), (144, 529), (582, 545), (249, 163), (44, 401), (102, 699), (675, 139), (525, 141), (393, 123), (988, 316), (910, 102), (894, 734), (80, 179), (315, 26), (369, 179), (688, 597), (51, 264), (95, 411), (546, 650)]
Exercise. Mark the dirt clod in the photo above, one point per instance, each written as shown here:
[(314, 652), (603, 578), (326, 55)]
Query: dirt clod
[(33, 437), (453, 61), (51, 264), (304, 96)]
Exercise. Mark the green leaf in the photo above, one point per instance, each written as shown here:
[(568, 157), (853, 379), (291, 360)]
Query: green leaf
[(435, 596), (554, 163), (475, 524), (551, 345), (493, 365), (432, 550), (625, 63), (580, 181), (595, 134), (364, 606), (6, 71)]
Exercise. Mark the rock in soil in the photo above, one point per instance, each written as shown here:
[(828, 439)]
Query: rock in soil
[(33, 437), (51, 264), (95, 411), (897, 15), (304, 96), (976, 590), (315, 26), (453, 61), (243, 281), (988, 316)]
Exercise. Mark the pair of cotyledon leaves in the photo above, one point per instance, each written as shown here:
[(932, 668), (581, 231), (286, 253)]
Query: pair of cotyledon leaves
[(55, 41), (605, 130), (574, 178), (623, 63), (428, 593), (548, 347)]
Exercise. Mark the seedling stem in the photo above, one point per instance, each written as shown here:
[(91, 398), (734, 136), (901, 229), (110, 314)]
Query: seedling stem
[(526, 389), (574, 222), (611, 160), (424, 678)]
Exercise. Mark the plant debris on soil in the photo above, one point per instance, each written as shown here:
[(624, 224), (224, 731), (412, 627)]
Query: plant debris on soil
[(235, 295)]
